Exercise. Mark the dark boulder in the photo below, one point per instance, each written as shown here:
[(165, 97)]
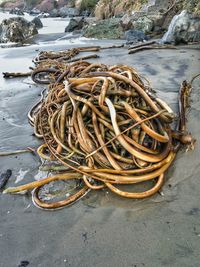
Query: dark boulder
[(75, 24), (38, 23), (16, 30), (104, 29), (85, 13), (134, 36), (16, 11)]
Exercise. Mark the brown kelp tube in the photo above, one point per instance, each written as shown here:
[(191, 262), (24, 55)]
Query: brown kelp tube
[(103, 125)]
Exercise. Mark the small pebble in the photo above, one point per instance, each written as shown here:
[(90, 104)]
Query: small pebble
[(23, 264)]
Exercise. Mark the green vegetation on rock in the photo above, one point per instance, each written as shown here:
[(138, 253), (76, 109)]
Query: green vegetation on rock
[(109, 28)]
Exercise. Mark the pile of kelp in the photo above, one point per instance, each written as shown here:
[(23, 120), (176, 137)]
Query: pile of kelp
[(104, 125)]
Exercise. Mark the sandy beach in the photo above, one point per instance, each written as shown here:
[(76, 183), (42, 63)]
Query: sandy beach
[(102, 229)]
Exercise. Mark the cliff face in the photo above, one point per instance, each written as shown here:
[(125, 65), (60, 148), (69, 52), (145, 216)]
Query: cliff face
[(106, 8), (48, 4), (109, 8)]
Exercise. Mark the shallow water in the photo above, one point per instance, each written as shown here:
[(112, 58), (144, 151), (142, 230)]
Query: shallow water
[(50, 25)]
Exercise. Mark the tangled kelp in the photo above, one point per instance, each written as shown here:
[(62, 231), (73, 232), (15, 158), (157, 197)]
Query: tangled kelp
[(105, 125)]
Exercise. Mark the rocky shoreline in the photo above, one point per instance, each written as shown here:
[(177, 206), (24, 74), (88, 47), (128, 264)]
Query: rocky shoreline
[(183, 28)]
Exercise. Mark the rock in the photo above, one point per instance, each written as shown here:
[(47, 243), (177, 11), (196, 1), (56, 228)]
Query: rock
[(90, 20), (16, 30), (126, 22), (76, 24), (54, 13), (183, 28), (134, 36), (35, 12), (45, 5), (23, 264), (143, 24), (8, 5), (154, 6), (85, 13), (108, 28), (16, 11), (137, 14), (138, 21), (38, 23), (157, 19), (68, 12)]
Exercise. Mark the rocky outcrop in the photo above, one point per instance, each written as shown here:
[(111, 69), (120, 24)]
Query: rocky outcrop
[(143, 24), (135, 36), (152, 19), (183, 28), (109, 28), (12, 4), (68, 12), (16, 11), (154, 6), (65, 12), (16, 30), (38, 23), (46, 5), (137, 21), (76, 24), (150, 16)]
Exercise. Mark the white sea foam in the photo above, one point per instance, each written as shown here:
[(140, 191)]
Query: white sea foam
[(20, 176)]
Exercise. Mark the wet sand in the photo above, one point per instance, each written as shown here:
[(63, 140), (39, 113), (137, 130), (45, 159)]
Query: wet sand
[(102, 229)]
